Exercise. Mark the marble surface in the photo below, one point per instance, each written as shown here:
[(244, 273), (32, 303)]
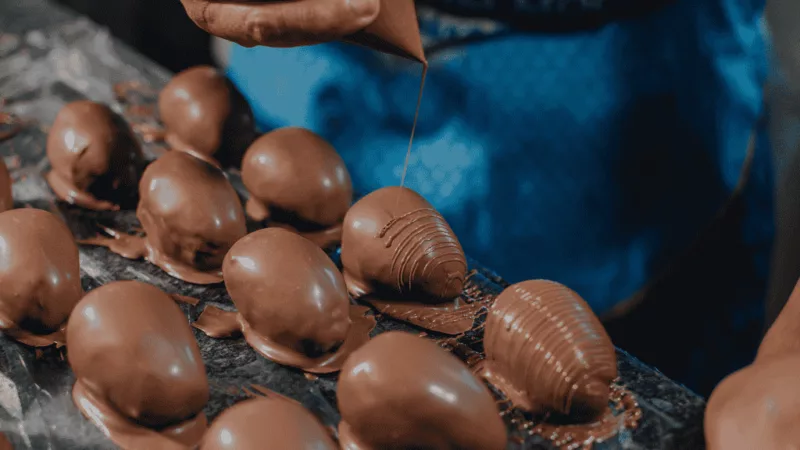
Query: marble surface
[(48, 57)]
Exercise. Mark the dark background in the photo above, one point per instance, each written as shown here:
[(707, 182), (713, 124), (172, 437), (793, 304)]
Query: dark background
[(158, 28)]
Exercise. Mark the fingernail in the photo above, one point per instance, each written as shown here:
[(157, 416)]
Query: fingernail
[(364, 8)]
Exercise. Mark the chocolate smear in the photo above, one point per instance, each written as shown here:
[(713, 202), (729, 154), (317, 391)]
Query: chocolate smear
[(297, 181), (394, 31), (399, 254), (267, 423), (191, 216), (401, 391), (205, 115), (40, 275), (140, 376), (548, 352), (292, 301), (95, 158)]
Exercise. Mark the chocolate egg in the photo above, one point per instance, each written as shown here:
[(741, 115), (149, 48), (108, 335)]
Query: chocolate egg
[(396, 245), (191, 215), (96, 160), (756, 407), (206, 115), (267, 423), (291, 297), (40, 280), (401, 391), (548, 352), (296, 179), (136, 362)]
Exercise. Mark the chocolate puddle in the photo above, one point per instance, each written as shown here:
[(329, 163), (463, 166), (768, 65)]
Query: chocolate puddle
[(452, 318), (219, 324)]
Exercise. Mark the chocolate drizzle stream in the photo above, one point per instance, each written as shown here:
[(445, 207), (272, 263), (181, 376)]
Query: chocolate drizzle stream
[(267, 423), (403, 391), (297, 181), (140, 376), (40, 275), (95, 158), (399, 254)]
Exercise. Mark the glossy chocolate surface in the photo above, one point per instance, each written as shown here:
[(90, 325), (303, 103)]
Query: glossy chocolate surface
[(39, 274), (137, 364), (548, 352), (267, 423), (395, 246), (205, 114), (191, 216), (757, 407), (292, 301), (395, 31), (95, 158), (401, 391), (296, 178)]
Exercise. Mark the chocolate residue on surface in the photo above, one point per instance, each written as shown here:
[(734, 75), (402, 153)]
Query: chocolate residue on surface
[(397, 248), (204, 114), (6, 197), (10, 125), (292, 301), (267, 423), (548, 352), (190, 215), (757, 407), (402, 391), (95, 158), (185, 299), (140, 376), (297, 181), (40, 276), (394, 31), (217, 323)]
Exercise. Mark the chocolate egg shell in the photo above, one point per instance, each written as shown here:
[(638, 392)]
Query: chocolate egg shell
[(291, 297), (132, 348), (547, 350), (401, 391), (756, 407), (96, 160), (191, 215), (267, 424), (295, 177), (205, 114), (40, 280), (395, 245)]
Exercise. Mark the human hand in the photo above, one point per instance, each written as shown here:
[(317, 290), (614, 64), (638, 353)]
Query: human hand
[(282, 23)]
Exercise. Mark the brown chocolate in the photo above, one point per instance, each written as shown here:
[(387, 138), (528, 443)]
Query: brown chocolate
[(401, 391), (297, 181), (5, 444), (6, 197), (206, 115), (267, 423), (397, 248), (191, 216), (756, 407), (40, 275), (95, 158), (292, 301), (394, 31), (548, 352), (140, 376)]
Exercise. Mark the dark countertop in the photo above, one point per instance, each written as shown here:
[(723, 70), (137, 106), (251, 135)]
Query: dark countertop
[(50, 56)]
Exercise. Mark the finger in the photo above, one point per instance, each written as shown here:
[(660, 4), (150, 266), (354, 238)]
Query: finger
[(283, 24)]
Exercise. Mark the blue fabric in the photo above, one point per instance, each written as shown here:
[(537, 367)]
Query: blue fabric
[(593, 158)]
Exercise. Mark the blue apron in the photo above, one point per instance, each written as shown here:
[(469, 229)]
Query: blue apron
[(592, 157)]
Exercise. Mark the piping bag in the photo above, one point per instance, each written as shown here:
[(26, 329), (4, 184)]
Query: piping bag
[(394, 31)]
